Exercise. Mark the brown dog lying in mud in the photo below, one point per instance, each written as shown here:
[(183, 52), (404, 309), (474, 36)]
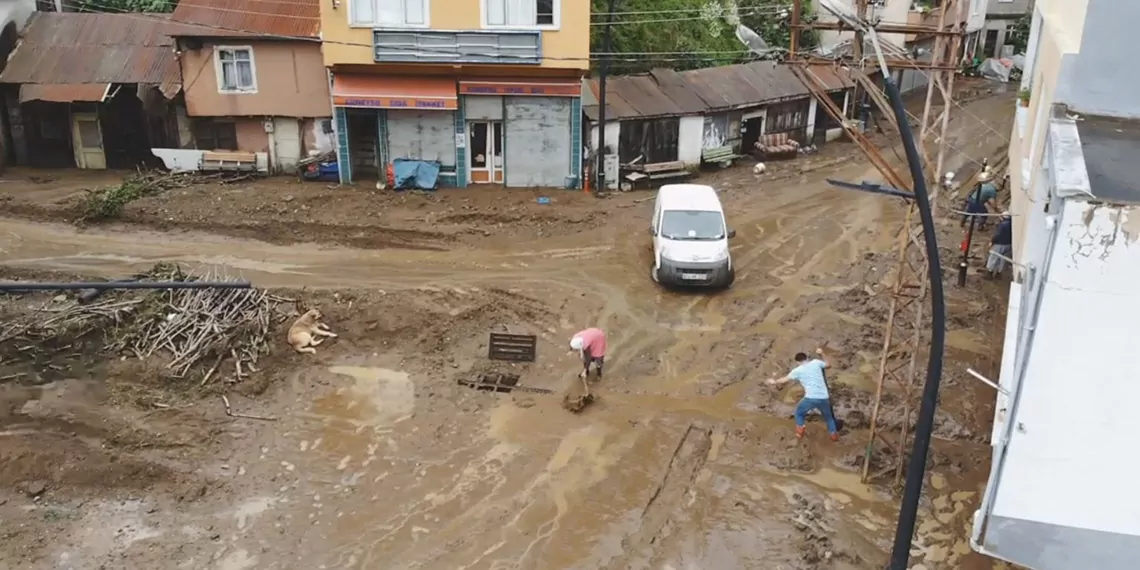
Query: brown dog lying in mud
[(306, 332)]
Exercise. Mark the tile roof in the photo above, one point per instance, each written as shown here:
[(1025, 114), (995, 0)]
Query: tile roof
[(289, 18), (664, 92)]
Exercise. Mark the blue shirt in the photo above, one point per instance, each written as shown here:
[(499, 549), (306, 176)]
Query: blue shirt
[(986, 193), (1004, 233), (810, 376)]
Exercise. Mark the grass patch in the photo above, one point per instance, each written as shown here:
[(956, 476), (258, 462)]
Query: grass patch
[(106, 203)]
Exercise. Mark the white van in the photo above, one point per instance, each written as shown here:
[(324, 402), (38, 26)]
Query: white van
[(690, 238)]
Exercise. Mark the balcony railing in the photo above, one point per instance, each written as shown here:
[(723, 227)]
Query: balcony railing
[(507, 47)]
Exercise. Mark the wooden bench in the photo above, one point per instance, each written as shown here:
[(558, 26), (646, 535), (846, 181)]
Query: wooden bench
[(777, 145), (229, 160), (722, 156), (656, 171)]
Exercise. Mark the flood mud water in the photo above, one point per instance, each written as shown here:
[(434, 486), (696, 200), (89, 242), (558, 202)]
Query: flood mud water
[(378, 458)]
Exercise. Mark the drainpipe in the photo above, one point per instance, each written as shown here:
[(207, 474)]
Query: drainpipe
[(607, 41), (1024, 348)]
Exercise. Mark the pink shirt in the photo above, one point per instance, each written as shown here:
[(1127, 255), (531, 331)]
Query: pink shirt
[(593, 342)]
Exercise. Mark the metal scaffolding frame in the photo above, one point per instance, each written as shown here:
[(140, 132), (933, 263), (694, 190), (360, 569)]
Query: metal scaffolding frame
[(898, 387)]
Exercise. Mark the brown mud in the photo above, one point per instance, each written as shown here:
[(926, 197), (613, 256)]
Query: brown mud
[(379, 458)]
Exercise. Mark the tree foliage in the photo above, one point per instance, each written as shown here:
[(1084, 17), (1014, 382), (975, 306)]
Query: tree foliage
[(686, 29), (1018, 34), (118, 6)]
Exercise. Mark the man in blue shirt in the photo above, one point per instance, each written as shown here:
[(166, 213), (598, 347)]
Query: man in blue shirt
[(810, 375), (1001, 247), (982, 200)]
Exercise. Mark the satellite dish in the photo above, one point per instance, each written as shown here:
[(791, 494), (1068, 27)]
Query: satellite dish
[(753, 41)]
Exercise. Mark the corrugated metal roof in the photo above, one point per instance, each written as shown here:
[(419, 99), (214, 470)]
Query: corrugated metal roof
[(665, 92), (291, 18), (63, 92), (72, 48)]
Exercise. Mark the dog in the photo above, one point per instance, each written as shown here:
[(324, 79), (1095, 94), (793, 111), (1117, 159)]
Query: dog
[(306, 332), (760, 168)]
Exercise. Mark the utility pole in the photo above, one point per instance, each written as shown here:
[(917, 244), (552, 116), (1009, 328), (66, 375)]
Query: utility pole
[(858, 97), (607, 46), (918, 274)]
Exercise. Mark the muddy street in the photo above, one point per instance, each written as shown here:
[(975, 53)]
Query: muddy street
[(376, 458)]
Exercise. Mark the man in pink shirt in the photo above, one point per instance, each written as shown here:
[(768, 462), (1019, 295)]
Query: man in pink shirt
[(591, 346)]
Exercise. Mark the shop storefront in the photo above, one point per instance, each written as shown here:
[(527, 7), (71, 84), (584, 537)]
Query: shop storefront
[(521, 133), (384, 118), (510, 132)]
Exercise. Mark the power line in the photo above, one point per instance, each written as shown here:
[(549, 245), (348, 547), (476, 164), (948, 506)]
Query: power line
[(630, 57), (914, 66), (684, 10), (700, 18), (85, 6)]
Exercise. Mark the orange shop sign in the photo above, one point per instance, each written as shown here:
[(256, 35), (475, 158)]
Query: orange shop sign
[(449, 104), (518, 88)]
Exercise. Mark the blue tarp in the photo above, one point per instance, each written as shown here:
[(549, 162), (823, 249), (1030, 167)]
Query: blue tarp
[(416, 174)]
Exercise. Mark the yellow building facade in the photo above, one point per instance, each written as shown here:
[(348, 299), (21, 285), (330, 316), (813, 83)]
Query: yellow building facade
[(479, 91)]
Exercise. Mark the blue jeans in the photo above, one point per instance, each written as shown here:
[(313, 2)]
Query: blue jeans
[(823, 405)]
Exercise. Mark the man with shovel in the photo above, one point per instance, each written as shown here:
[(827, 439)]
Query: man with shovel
[(810, 375), (590, 344)]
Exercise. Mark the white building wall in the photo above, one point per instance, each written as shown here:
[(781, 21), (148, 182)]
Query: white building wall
[(690, 139), (894, 11), (976, 16), (613, 131), (1064, 436), (1059, 495)]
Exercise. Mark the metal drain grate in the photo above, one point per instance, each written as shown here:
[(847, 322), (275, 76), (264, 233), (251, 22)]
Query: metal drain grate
[(501, 382), (512, 347)]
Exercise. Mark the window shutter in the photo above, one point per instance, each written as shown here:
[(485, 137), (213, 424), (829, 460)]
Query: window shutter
[(363, 11), (496, 12), (390, 12), (414, 12)]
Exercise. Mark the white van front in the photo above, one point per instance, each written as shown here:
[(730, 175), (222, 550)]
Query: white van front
[(690, 238)]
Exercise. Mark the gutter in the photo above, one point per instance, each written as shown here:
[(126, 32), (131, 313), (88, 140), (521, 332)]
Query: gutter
[(1025, 348)]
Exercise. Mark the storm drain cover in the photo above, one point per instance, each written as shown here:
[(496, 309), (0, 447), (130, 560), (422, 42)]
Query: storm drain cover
[(512, 347), (500, 382)]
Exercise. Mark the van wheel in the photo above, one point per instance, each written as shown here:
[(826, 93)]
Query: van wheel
[(730, 279)]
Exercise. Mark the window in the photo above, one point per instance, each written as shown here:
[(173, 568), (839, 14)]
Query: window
[(215, 134), (692, 225), (521, 13), (236, 72), (395, 13)]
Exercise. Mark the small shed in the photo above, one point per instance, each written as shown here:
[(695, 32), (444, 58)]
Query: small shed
[(666, 115), (92, 90)]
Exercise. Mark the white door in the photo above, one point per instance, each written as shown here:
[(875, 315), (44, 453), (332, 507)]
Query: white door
[(485, 152), (287, 142), (87, 141)]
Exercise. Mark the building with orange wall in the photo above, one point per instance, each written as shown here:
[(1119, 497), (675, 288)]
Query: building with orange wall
[(253, 78), (490, 89)]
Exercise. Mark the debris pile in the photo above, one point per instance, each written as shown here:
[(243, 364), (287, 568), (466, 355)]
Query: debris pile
[(106, 203), (184, 329), (577, 395)]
